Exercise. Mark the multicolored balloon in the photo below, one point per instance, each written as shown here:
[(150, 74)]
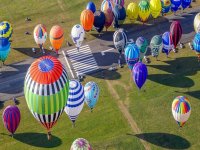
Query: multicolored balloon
[(144, 10), (81, 144), (75, 101), (119, 2), (167, 42), (156, 45), (107, 4), (4, 49), (109, 18), (91, 6), (142, 44), (166, 5), (11, 118), (46, 89), (40, 34), (155, 8), (91, 90), (181, 110), (140, 74), (99, 20), (77, 35), (175, 4), (119, 15), (87, 19), (132, 55), (120, 40), (176, 32), (197, 23), (56, 36), (132, 12), (185, 3), (6, 30)]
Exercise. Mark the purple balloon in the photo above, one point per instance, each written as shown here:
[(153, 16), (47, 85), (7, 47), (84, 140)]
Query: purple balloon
[(11, 118), (139, 73)]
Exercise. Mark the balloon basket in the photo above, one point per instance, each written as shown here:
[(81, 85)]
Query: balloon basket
[(91, 110), (73, 124), (49, 136)]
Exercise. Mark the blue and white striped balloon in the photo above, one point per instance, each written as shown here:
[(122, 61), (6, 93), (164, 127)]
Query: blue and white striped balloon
[(196, 43), (91, 90), (75, 101)]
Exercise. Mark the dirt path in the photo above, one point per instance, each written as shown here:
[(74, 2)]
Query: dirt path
[(127, 114), (60, 5)]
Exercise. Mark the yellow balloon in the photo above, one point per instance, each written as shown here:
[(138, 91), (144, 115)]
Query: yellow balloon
[(132, 12), (144, 10), (197, 23), (155, 8)]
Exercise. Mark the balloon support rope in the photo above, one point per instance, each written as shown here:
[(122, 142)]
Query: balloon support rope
[(49, 135)]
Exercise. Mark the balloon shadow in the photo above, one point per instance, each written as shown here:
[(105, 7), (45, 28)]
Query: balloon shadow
[(165, 140), (1, 104), (38, 140), (195, 94), (179, 66), (38, 53), (172, 80)]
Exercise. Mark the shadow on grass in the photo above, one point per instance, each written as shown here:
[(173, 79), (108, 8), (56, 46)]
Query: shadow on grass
[(195, 94), (165, 140), (38, 140), (106, 74), (1, 105)]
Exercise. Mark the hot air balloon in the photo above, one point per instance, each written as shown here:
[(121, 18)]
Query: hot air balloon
[(56, 36), (99, 21), (185, 3), (119, 15), (11, 118), (6, 30), (142, 44), (176, 32), (40, 35), (132, 12), (109, 18), (120, 40), (139, 73), (81, 144), (75, 101), (119, 2), (46, 89), (87, 19), (181, 110), (197, 23), (175, 4), (196, 44), (107, 4), (155, 8), (166, 5), (91, 90), (156, 45), (144, 10), (77, 35), (91, 6), (4, 49), (167, 42), (132, 54)]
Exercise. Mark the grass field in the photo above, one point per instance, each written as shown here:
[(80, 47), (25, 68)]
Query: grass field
[(49, 12), (108, 128)]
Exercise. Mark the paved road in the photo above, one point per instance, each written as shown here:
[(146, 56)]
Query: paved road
[(94, 55)]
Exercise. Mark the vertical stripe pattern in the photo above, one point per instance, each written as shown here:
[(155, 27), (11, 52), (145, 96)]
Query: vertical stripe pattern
[(11, 118), (176, 32), (196, 43), (46, 90), (181, 109)]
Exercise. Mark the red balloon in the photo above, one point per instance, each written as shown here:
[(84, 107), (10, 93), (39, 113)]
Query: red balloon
[(176, 32)]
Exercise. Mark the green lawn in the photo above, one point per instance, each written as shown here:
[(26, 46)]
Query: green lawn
[(107, 128)]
